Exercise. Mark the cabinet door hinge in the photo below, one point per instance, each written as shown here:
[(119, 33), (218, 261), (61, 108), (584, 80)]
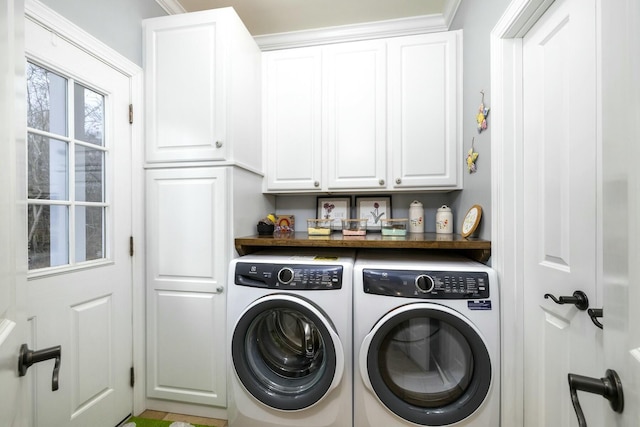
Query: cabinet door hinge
[(132, 377), (130, 245), (130, 113)]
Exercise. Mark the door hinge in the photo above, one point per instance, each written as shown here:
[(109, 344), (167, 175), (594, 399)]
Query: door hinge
[(132, 377), (130, 245), (130, 113)]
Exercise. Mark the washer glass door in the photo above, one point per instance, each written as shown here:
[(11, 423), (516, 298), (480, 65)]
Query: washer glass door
[(286, 353), (427, 364)]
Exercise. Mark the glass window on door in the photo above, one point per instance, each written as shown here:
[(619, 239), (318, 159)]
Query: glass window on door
[(66, 156)]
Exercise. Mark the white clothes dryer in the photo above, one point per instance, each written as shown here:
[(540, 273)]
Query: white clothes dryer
[(289, 319), (426, 341)]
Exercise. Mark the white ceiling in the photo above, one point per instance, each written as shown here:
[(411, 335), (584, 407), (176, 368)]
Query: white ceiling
[(280, 16)]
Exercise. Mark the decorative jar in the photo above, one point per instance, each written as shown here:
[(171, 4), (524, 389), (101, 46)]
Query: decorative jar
[(444, 220), (416, 217)]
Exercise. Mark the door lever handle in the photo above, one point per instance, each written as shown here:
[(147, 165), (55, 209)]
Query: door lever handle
[(579, 299), (609, 387), (594, 313), (29, 357)]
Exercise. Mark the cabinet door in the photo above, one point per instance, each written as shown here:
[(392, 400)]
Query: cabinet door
[(184, 99), (291, 108), (355, 114), (425, 110), (187, 256)]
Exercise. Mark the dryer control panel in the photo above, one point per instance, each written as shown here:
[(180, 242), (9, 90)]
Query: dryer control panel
[(291, 277), (426, 284)]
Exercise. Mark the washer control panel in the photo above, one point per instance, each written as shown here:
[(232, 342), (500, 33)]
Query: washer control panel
[(291, 277), (426, 284)]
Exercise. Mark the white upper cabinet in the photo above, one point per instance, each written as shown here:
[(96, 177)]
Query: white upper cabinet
[(377, 115), (425, 126), (355, 115), (292, 132), (202, 89)]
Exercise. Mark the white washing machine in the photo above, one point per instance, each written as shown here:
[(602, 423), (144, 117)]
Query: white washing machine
[(426, 341), (289, 319)]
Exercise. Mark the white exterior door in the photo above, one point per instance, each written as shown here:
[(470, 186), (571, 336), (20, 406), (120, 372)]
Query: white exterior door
[(580, 209), (12, 222), (79, 223)]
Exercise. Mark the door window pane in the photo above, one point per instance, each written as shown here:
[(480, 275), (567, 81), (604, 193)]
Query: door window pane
[(47, 168), (89, 174), (89, 115), (89, 233), (46, 100), (48, 235)]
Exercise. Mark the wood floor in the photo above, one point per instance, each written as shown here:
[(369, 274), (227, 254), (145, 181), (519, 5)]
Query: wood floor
[(167, 416)]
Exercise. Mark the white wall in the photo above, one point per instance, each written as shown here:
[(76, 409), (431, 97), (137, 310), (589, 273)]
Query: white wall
[(116, 23)]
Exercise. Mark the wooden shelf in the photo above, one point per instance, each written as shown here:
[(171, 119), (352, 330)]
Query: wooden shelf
[(474, 248)]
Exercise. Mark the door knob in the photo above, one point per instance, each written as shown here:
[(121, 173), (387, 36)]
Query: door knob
[(579, 299), (29, 357), (608, 387)]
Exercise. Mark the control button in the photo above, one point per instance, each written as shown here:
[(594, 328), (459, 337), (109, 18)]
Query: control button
[(285, 275), (424, 283)]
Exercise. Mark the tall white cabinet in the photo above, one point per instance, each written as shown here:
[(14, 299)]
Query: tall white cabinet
[(366, 116), (203, 83), (203, 188)]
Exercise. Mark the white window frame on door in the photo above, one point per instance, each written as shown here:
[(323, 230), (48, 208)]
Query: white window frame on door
[(65, 29), (71, 248)]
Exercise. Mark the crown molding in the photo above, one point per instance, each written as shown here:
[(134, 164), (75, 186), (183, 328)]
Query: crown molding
[(346, 33), (172, 7)]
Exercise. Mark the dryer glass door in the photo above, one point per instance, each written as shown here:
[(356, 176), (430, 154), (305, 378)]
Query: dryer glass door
[(286, 353), (428, 365)]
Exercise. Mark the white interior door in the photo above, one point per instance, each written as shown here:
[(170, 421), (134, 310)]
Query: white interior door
[(581, 203), (79, 223), (620, 88), (560, 209), (12, 221)]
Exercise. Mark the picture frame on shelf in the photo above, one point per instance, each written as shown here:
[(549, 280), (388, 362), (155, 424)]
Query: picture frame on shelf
[(334, 208), (374, 209)]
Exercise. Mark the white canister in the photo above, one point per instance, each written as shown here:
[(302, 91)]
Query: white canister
[(444, 220), (416, 217)]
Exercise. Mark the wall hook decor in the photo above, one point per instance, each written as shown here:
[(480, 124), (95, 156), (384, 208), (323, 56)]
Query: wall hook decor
[(481, 117), (472, 157)]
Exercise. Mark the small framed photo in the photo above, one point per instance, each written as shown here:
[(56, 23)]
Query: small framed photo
[(374, 209), (334, 208)]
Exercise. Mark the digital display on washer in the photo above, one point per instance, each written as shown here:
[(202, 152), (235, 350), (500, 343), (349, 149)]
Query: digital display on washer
[(282, 276), (426, 284)]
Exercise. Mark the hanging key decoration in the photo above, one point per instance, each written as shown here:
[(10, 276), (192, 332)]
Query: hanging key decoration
[(472, 156), (481, 117)]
